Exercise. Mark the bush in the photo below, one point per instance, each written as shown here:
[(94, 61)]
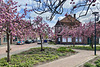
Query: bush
[(70, 50), (98, 64), (52, 43), (62, 49), (97, 61), (88, 65), (82, 47), (85, 47)]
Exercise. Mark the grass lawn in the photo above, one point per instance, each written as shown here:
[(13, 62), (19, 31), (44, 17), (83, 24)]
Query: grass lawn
[(34, 57), (84, 47)]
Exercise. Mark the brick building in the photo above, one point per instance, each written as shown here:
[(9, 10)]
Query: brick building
[(3, 39), (70, 21)]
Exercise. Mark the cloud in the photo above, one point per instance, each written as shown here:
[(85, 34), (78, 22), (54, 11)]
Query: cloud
[(89, 15), (66, 6), (23, 2), (86, 18), (44, 15), (61, 17)]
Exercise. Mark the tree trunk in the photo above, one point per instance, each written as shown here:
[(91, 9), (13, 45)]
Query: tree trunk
[(73, 41), (8, 48), (11, 38), (41, 43)]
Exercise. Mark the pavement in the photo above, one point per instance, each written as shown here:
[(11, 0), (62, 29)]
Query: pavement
[(72, 61), (15, 49)]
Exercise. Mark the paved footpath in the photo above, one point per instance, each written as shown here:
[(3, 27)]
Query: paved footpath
[(15, 49), (19, 48), (72, 61)]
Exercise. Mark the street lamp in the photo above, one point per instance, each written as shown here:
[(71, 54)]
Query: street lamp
[(96, 19), (30, 18)]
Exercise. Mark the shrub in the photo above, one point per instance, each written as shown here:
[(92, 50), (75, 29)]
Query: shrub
[(85, 47), (70, 50), (98, 64), (88, 65), (62, 49), (52, 43), (97, 61)]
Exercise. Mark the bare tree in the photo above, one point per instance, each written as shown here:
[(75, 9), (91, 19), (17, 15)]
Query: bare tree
[(56, 6)]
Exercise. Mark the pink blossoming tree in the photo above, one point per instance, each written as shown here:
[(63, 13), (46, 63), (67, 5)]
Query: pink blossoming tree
[(42, 29), (11, 22), (86, 30)]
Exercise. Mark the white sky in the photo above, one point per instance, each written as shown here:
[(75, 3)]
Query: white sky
[(66, 6)]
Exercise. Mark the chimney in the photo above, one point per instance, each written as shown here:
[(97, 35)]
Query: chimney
[(75, 16)]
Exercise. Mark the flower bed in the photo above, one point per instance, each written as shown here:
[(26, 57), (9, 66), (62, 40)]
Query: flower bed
[(34, 57)]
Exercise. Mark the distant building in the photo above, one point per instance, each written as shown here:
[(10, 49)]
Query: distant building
[(3, 39), (70, 21)]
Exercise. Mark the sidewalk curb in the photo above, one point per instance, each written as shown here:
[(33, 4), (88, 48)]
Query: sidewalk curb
[(85, 61)]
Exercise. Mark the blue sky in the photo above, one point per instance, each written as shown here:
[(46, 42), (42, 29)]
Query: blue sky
[(67, 6)]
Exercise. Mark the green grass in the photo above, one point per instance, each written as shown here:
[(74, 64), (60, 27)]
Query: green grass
[(85, 47), (34, 56), (88, 65), (64, 49), (95, 64)]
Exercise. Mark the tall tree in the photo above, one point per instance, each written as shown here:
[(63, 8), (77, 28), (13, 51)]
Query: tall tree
[(42, 29), (84, 31), (57, 6), (11, 21)]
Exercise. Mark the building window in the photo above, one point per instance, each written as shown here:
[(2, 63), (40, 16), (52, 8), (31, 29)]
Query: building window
[(59, 39), (99, 40), (5, 39), (63, 39), (80, 39), (69, 39), (76, 40), (59, 29)]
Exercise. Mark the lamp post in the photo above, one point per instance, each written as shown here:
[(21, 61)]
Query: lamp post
[(30, 18), (95, 14)]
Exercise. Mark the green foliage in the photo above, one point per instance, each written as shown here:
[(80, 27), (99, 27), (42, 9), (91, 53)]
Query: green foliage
[(88, 65), (53, 43), (31, 57), (64, 49), (84, 47), (97, 61), (98, 64)]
